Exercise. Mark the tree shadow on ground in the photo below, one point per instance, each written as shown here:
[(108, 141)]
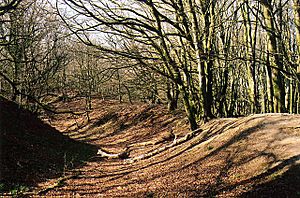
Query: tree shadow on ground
[(270, 183), (286, 185), (114, 123), (282, 185), (32, 151), (190, 159)]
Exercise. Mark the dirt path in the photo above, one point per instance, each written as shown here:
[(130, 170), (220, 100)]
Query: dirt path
[(255, 156)]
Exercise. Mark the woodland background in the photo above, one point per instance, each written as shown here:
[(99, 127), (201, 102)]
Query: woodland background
[(211, 58)]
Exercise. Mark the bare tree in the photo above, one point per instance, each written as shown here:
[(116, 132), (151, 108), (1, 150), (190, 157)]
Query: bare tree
[(221, 58), (32, 55)]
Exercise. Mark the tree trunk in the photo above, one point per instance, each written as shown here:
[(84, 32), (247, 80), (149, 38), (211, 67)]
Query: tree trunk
[(248, 44), (190, 110), (297, 24), (276, 59), (172, 96)]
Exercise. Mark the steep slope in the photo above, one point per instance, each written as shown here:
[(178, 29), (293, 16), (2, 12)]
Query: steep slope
[(32, 151), (254, 156)]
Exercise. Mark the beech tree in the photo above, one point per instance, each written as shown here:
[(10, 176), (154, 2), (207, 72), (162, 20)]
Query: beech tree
[(221, 58), (211, 58)]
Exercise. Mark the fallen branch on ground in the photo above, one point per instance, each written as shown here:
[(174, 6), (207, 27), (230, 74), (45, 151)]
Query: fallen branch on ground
[(121, 155), (161, 149), (125, 154)]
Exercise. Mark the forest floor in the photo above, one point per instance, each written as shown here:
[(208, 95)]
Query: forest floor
[(253, 156)]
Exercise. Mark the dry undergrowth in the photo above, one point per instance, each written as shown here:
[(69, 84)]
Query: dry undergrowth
[(254, 156)]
